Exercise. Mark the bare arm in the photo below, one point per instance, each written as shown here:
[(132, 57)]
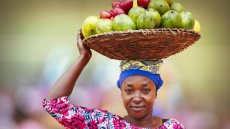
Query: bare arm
[(65, 84)]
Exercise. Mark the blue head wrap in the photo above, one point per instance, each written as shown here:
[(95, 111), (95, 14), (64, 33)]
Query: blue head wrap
[(150, 69)]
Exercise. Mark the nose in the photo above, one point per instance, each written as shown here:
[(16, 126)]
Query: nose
[(137, 98)]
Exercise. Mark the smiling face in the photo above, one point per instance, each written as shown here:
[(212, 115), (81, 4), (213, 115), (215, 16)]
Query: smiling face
[(138, 94)]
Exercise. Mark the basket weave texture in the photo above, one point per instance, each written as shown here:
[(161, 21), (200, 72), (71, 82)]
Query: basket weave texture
[(145, 44)]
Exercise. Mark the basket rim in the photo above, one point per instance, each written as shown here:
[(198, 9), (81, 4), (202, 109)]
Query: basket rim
[(155, 30), (184, 36)]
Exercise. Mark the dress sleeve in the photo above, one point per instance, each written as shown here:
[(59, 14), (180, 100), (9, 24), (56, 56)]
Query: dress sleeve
[(72, 116)]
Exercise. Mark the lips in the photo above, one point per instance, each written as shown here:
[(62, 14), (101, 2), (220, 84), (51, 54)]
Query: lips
[(137, 108)]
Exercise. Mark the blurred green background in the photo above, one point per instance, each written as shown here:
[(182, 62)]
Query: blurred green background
[(38, 43)]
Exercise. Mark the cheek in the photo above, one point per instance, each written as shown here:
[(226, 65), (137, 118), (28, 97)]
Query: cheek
[(125, 98), (150, 98)]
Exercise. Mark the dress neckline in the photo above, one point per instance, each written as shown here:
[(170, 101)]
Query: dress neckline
[(164, 120)]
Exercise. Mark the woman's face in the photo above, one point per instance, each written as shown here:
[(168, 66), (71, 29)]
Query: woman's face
[(138, 94)]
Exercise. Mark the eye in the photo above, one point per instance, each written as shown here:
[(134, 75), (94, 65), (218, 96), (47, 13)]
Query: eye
[(129, 91), (146, 91)]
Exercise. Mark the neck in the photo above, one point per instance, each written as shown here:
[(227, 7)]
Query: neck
[(146, 122)]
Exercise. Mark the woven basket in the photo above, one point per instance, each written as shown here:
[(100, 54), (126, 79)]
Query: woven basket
[(142, 44)]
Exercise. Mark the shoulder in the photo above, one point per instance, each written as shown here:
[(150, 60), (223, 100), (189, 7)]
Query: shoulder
[(62, 103), (173, 123)]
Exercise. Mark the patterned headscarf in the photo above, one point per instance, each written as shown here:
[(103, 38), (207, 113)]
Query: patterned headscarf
[(148, 68)]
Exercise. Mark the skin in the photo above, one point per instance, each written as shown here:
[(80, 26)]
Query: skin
[(138, 94), (143, 90)]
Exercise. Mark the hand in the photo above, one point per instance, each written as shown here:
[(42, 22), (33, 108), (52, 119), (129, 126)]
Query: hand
[(84, 51)]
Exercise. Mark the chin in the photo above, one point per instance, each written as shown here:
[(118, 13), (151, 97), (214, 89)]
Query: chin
[(138, 115)]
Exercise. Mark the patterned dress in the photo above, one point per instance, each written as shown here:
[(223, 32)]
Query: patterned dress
[(76, 117)]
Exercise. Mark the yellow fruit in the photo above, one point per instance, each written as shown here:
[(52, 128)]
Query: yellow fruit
[(89, 26), (135, 3), (196, 26), (169, 1)]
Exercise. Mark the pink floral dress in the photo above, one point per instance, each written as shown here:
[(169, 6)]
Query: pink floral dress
[(76, 117)]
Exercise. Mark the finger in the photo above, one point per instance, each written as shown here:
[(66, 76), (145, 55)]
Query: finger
[(80, 33), (78, 36), (82, 37)]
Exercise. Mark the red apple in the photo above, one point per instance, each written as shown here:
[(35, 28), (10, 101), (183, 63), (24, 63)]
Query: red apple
[(143, 3), (126, 5), (106, 15), (111, 12), (118, 11), (116, 4)]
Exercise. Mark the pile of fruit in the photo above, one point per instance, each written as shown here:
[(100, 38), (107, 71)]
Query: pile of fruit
[(140, 14)]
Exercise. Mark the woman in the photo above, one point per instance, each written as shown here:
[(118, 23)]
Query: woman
[(138, 82)]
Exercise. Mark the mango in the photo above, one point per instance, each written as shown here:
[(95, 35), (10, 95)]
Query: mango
[(135, 12), (171, 19), (177, 7), (123, 22), (188, 20), (160, 5), (103, 26), (149, 20)]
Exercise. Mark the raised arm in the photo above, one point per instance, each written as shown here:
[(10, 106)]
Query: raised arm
[(65, 84)]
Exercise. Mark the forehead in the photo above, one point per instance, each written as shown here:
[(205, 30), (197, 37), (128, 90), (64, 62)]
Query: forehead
[(138, 80)]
